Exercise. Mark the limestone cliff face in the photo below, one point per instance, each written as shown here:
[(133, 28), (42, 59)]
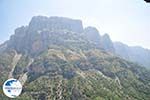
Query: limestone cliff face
[(42, 32), (45, 31), (55, 58), (55, 23)]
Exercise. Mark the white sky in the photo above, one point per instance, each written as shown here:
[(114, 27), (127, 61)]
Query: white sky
[(127, 21)]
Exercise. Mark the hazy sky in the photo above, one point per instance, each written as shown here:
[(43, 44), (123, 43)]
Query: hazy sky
[(127, 21)]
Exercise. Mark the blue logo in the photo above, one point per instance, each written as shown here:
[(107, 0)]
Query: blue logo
[(12, 88)]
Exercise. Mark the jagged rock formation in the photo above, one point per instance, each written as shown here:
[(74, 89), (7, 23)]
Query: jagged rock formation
[(62, 61)]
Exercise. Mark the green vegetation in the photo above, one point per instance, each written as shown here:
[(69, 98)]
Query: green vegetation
[(64, 65)]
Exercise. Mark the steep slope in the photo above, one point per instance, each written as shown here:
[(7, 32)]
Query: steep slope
[(65, 64), (92, 34), (107, 43), (135, 54)]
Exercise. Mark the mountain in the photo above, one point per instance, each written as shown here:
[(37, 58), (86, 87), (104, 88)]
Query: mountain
[(92, 34), (136, 54), (102, 41), (56, 58), (53, 23), (107, 43)]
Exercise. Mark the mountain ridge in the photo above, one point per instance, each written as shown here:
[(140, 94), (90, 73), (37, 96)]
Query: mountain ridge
[(42, 23), (54, 64), (136, 54)]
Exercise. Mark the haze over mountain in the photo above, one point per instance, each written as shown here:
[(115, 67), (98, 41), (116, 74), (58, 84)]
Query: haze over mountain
[(126, 21), (55, 58), (136, 54)]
